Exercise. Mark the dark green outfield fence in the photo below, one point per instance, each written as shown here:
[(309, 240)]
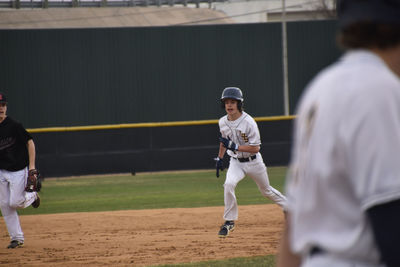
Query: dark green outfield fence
[(71, 77), (148, 148), (311, 47), (78, 77)]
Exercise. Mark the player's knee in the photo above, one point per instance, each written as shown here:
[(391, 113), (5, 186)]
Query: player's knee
[(229, 186), (16, 203), (267, 192)]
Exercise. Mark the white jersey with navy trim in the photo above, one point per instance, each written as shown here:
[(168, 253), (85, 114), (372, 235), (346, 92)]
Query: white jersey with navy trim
[(345, 158), (242, 131)]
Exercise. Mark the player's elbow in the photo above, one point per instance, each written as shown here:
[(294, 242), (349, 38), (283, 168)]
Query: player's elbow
[(255, 149)]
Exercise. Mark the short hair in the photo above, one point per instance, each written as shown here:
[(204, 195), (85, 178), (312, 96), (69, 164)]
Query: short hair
[(365, 34)]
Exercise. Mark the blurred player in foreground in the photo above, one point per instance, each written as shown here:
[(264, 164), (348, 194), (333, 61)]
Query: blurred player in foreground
[(343, 186), (240, 137), (17, 153)]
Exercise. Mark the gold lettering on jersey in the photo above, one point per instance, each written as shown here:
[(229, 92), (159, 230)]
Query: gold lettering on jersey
[(298, 170), (310, 119), (244, 137)]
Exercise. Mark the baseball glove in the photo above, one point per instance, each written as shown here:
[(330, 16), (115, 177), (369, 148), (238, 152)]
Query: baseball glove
[(34, 181)]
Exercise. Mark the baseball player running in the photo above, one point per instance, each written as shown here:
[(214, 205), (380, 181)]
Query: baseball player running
[(344, 184), (17, 153), (240, 138)]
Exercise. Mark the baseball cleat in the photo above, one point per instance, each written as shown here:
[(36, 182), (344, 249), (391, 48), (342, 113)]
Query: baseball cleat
[(16, 244), (36, 203), (226, 228)]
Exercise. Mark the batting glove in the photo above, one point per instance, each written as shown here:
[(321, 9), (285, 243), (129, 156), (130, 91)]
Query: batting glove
[(218, 165), (228, 144)]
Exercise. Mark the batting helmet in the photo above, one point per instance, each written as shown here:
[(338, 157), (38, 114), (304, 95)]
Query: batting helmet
[(232, 93)]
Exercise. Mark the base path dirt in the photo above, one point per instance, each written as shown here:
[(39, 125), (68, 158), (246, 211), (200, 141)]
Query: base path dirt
[(142, 237)]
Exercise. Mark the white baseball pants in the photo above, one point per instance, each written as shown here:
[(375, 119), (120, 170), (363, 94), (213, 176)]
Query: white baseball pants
[(257, 170), (12, 197)]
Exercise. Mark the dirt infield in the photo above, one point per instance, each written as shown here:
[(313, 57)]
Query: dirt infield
[(142, 237)]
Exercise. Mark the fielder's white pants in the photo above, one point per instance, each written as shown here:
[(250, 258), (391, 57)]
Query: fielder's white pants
[(257, 170), (12, 197)]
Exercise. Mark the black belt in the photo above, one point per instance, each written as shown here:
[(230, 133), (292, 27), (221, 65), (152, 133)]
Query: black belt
[(316, 250), (246, 159)]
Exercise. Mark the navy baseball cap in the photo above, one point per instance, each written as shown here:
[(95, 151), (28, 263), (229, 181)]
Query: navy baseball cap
[(3, 98), (375, 11)]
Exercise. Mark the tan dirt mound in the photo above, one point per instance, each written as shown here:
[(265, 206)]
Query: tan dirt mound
[(142, 237)]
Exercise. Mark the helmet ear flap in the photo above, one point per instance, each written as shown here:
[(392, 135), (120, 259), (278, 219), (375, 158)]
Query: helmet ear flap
[(239, 105), (222, 104)]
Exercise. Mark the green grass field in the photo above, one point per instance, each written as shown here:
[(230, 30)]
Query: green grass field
[(262, 261), (184, 189)]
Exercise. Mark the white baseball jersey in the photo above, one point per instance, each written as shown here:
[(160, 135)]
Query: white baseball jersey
[(244, 131), (345, 160)]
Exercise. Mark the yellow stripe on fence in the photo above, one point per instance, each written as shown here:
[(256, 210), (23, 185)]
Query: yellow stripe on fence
[(143, 125)]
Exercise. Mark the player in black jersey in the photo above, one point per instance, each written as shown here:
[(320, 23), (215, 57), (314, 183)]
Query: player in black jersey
[(17, 156)]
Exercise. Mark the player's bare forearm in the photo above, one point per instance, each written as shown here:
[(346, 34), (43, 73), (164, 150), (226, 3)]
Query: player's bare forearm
[(32, 154), (249, 149), (221, 151), (286, 258)]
